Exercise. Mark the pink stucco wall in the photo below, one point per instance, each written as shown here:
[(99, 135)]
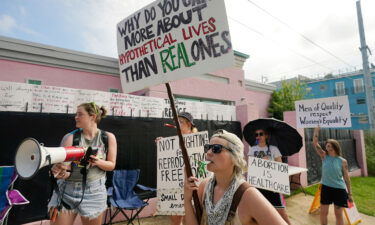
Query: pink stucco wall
[(361, 155), (298, 159), (261, 101), (196, 87), (53, 76)]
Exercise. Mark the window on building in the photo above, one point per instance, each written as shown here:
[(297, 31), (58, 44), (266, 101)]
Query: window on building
[(240, 83), (323, 87), (114, 90), (361, 101), (340, 88), (358, 85), (363, 119), (36, 82)]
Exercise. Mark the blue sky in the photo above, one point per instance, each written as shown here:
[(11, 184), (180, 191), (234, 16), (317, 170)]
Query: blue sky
[(267, 30)]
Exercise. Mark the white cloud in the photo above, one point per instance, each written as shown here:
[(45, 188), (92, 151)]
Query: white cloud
[(23, 11), (98, 22), (7, 24)]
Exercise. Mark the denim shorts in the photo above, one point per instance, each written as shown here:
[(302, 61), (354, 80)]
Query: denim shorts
[(94, 200)]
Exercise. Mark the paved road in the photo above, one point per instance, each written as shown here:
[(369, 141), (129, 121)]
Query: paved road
[(297, 207)]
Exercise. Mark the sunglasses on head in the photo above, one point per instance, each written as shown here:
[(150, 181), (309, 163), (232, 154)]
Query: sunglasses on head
[(216, 148), (260, 134)]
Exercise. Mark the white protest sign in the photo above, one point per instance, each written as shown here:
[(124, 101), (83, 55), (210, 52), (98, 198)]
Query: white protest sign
[(352, 215), (323, 112), (170, 170), (15, 96), (268, 175), (51, 99), (169, 40)]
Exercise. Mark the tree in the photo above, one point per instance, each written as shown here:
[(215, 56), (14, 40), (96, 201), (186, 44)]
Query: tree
[(283, 99)]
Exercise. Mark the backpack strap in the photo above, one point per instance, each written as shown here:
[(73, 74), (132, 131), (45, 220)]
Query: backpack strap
[(77, 137), (236, 200), (104, 137)]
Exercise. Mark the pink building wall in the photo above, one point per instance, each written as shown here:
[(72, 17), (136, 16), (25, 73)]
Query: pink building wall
[(298, 159), (54, 76)]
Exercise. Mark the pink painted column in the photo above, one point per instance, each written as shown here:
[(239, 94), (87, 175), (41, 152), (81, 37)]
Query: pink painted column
[(298, 159), (244, 114), (361, 151)]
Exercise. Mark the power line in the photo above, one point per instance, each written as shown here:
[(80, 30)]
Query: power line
[(295, 52), (303, 36), (307, 66)]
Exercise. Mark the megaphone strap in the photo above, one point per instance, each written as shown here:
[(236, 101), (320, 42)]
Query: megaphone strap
[(60, 194)]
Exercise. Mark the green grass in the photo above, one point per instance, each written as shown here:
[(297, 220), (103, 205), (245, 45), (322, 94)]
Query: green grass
[(363, 193), (370, 152)]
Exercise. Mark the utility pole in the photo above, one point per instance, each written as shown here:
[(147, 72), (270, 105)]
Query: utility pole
[(264, 79), (366, 70)]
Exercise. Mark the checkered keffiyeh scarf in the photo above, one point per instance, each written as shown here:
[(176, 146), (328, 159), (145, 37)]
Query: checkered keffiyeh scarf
[(217, 213)]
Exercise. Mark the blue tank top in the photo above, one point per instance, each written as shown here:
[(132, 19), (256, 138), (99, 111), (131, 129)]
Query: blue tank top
[(332, 172)]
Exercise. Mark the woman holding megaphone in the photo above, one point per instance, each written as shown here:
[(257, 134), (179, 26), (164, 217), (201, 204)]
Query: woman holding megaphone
[(81, 188)]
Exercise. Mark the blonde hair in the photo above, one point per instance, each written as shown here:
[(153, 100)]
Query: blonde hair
[(235, 144), (92, 109)]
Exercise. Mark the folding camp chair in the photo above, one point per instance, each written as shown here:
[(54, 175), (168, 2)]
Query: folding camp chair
[(8, 196), (122, 195)]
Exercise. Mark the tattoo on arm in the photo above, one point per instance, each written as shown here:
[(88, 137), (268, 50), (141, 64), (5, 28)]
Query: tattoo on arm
[(346, 176)]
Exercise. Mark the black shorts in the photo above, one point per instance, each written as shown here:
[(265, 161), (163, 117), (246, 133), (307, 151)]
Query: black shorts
[(276, 199), (337, 196)]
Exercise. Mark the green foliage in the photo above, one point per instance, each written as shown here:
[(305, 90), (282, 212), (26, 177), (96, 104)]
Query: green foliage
[(370, 152), (283, 99), (328, 76)]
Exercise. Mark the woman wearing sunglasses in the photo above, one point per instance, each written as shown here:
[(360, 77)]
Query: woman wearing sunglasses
[(226, 198), (269, 152), (336, 186)]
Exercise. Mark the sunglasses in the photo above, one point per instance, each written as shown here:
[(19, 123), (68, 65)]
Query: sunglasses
[(260, 134), (216, 148)]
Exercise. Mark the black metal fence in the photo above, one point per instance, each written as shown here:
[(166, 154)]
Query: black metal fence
[(135, 139)]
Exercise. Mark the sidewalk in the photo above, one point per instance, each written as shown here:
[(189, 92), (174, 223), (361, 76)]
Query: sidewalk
[(297, 207)]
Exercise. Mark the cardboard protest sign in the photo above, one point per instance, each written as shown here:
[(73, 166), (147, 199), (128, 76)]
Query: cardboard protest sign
[(170, 170), (172, 39), (324, 112), (268, 175), (352, 215)]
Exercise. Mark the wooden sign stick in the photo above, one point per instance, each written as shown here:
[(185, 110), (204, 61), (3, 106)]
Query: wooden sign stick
[(197, 205)]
